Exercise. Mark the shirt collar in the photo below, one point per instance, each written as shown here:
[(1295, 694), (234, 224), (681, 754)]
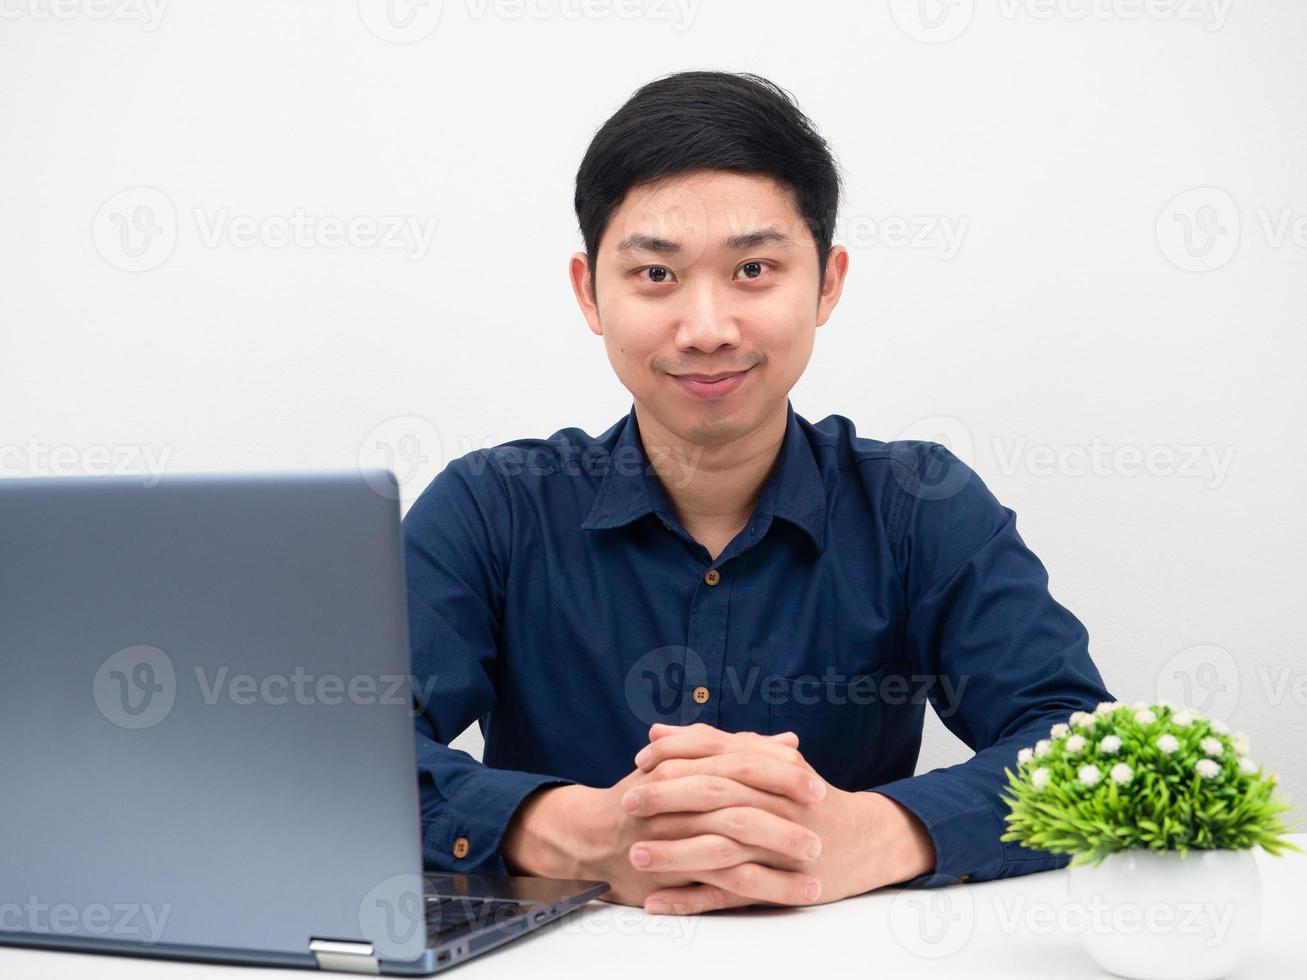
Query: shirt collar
[(794, 491)]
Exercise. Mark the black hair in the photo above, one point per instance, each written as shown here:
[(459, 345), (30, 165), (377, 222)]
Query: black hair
[(708, 120)]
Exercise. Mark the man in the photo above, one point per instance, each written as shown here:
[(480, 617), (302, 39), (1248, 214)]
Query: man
[(700, 644)]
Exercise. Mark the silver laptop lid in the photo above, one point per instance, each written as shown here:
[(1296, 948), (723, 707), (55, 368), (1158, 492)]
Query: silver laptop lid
[(206, 734)]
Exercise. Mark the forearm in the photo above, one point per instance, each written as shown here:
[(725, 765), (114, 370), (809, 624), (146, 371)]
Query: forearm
[(963, 810), (541, 840), (466, 807), (889, 844)]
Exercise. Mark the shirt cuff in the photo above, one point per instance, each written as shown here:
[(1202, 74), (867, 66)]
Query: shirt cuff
[(965, 831), (463, 835)]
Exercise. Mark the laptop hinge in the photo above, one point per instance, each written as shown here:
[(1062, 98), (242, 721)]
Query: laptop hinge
[(335, 954)]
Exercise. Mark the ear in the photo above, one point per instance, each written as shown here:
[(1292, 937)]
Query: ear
[(832, 285), (578, 269)]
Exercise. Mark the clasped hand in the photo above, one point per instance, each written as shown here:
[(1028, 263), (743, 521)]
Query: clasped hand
[(713, 820)]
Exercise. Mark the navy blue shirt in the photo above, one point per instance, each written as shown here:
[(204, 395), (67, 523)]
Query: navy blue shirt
[(555, 598)]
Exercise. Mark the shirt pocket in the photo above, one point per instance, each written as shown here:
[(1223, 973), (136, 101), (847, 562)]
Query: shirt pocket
[(839, 723)]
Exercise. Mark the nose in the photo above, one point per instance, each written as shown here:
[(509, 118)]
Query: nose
[(708, 321)]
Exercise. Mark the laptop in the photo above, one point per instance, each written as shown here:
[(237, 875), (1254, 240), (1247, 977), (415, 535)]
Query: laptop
[(206, 730)]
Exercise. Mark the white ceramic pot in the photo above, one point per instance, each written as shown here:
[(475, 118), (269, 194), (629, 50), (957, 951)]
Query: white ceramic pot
[(1154, 915)]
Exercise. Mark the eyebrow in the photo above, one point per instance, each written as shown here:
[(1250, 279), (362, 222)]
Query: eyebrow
[(640, 242)]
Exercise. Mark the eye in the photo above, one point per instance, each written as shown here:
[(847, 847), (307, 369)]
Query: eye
[(659, 274), (754, 269)]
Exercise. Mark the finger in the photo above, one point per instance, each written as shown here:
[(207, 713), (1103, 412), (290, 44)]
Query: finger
[(702, 853), (678, 826), (698, 745), (693, 899), (689, 855), (695, 794), (762, 828), (797, 781), (783, 841), (766, 884), (662, 730), (726, 821)]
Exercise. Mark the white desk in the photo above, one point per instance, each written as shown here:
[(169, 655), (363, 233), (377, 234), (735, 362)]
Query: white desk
[(988, 929)]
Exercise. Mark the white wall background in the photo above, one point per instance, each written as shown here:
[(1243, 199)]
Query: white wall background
[(1103, 276)]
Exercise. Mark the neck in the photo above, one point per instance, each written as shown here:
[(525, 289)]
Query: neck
[(713, 485)]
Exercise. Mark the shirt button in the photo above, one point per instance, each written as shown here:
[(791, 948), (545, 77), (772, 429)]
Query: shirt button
[(712, 576), (700, 695), (460, 847)]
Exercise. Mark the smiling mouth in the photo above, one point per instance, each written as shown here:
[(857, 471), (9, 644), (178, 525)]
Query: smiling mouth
[(708, 378), (711, 385)]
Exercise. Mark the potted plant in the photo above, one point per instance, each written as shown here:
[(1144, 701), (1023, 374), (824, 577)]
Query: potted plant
[(1161, 809)]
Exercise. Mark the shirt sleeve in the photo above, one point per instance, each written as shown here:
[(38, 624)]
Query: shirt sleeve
[(980, 616), (457, 539)]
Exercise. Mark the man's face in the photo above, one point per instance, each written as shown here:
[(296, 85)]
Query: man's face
[(707, 297)]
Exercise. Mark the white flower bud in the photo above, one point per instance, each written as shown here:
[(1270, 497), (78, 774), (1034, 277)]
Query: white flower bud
[(1075, 744), (1145, 717), (1182, 718), (1211, 745), (1024, 756), (1058, 730), (1207, 768), (1039, 778), (1167, 743), (1246, 765), (1110, 744), (1089, 775), (1041, 748), (1121, 773)]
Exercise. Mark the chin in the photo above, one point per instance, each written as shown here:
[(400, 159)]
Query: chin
[(715, 424)]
